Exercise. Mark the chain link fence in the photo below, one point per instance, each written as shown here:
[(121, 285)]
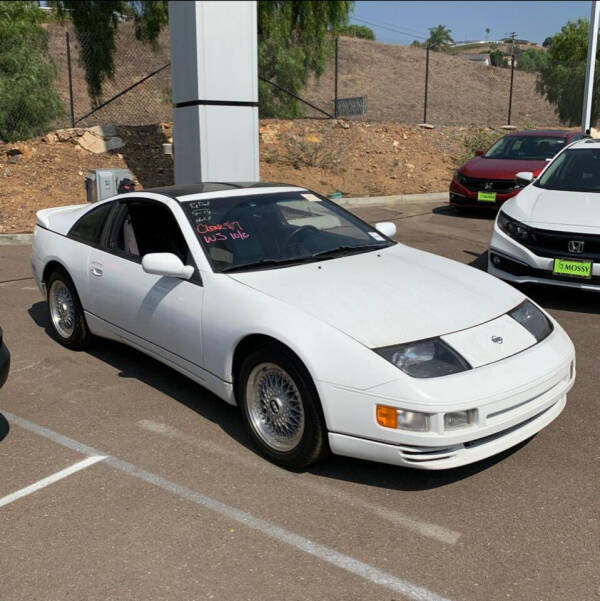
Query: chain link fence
[(460, 92), (139, 93), (371, 80)]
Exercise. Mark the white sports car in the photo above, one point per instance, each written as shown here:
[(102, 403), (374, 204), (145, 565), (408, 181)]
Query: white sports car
[(327, 333), (550, 232)]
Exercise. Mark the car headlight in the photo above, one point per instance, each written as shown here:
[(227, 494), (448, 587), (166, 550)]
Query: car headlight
[(459, 177), (424, 359), (532, 319), (515, 229)]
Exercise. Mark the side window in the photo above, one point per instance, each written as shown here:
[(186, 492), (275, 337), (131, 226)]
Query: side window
[(89, 228), (143, 227)]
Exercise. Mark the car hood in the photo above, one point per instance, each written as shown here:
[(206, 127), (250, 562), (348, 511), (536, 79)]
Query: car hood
[(387, 297), (556, 208), (499, 168)]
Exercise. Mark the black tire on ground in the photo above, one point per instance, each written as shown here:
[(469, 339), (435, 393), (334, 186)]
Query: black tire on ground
[(80, 336), (312, 445)]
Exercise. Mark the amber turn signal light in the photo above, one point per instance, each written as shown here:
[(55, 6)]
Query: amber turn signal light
[(387, 416)]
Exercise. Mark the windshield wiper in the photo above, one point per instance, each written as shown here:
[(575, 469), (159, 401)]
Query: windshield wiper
[(331, 253), (266, 263), (345, 250)]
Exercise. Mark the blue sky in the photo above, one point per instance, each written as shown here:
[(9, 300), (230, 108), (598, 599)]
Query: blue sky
[(532, 21)]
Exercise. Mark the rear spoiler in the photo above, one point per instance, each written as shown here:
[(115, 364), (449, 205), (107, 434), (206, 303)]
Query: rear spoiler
[(60, 219)]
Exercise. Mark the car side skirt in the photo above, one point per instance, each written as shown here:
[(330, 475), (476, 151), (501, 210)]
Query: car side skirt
[(104, 329)]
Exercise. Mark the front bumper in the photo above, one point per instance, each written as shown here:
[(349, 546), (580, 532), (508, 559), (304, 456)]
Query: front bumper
[(4, 361), (514, 398), (461, 196), (438, 458), (512, 261)]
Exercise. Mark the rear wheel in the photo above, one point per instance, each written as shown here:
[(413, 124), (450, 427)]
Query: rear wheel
[(281, 409), (67, 321)]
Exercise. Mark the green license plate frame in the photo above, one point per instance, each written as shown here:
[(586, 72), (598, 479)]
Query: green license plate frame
[(579, 269), (486, 196)]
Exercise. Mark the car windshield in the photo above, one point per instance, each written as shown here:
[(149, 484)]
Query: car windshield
[(576, 170), (525, 148), (276, 229)]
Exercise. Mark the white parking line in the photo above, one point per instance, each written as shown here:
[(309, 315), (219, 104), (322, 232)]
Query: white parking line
[(77, 467), (26, 367), (433, 531), (327, 554)]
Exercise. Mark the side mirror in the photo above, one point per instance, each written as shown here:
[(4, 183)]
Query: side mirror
[(387, 228), (166, 264), (524, 178), (479, 153)]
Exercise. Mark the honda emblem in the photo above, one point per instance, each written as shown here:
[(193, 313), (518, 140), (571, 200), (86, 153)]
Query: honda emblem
[(576, 246)]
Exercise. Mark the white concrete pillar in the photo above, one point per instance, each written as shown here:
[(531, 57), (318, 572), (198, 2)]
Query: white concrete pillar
[(215, 90), (588, 94)]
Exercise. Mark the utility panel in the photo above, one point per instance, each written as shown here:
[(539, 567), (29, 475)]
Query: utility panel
[(104, 183)]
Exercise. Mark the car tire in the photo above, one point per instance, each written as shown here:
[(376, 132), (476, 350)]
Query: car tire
[(281, 408), (65, 313)]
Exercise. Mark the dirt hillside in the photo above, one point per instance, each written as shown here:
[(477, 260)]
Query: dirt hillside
[(355, 158), (461, 92)]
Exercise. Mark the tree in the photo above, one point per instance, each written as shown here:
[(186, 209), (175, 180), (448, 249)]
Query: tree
[(439, 38), (547, 42), (96, 24), (487, 33), (497, 59), (357, 31), (561, 80), (295, 40), (532, 60), (29, 102)]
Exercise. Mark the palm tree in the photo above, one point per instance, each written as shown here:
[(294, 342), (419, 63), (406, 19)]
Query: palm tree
[(439, 38), (487, 33)]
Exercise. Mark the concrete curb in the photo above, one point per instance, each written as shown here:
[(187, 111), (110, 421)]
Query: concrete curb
[(15, 239), (373, 201)]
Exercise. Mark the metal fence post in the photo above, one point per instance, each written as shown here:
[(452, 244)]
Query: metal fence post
[(426, 83), (335, 96), (70, 78), (512, 75)]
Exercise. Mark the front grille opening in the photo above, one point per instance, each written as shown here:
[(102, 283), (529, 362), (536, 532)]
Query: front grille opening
[(492, 437), (548, 243), (488, 185)]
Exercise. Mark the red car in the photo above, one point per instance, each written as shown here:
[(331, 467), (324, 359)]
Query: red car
[(488, 179)]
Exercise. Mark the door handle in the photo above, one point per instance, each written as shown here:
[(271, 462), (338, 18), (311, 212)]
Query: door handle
[(97, 271)]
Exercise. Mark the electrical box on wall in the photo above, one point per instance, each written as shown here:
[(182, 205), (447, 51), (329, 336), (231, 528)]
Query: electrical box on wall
[(104, 183)]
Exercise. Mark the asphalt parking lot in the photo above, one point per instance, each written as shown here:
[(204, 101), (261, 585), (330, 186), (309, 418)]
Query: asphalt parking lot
[(144, 486)]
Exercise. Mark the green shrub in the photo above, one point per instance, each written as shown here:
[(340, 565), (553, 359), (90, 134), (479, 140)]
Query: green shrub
[(28, 100), (357, 31), (478, 139)]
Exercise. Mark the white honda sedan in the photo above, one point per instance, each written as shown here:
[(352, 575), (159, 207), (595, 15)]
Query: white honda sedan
[(329, 335), (550, 232)]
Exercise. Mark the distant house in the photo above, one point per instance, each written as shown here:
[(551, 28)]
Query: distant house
[(478, 58)]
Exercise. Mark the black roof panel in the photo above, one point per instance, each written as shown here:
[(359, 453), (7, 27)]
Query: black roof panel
[(201, 187)]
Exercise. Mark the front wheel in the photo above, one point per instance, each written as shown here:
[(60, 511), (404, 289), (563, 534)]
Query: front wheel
[(67, 321), (281, 409)]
